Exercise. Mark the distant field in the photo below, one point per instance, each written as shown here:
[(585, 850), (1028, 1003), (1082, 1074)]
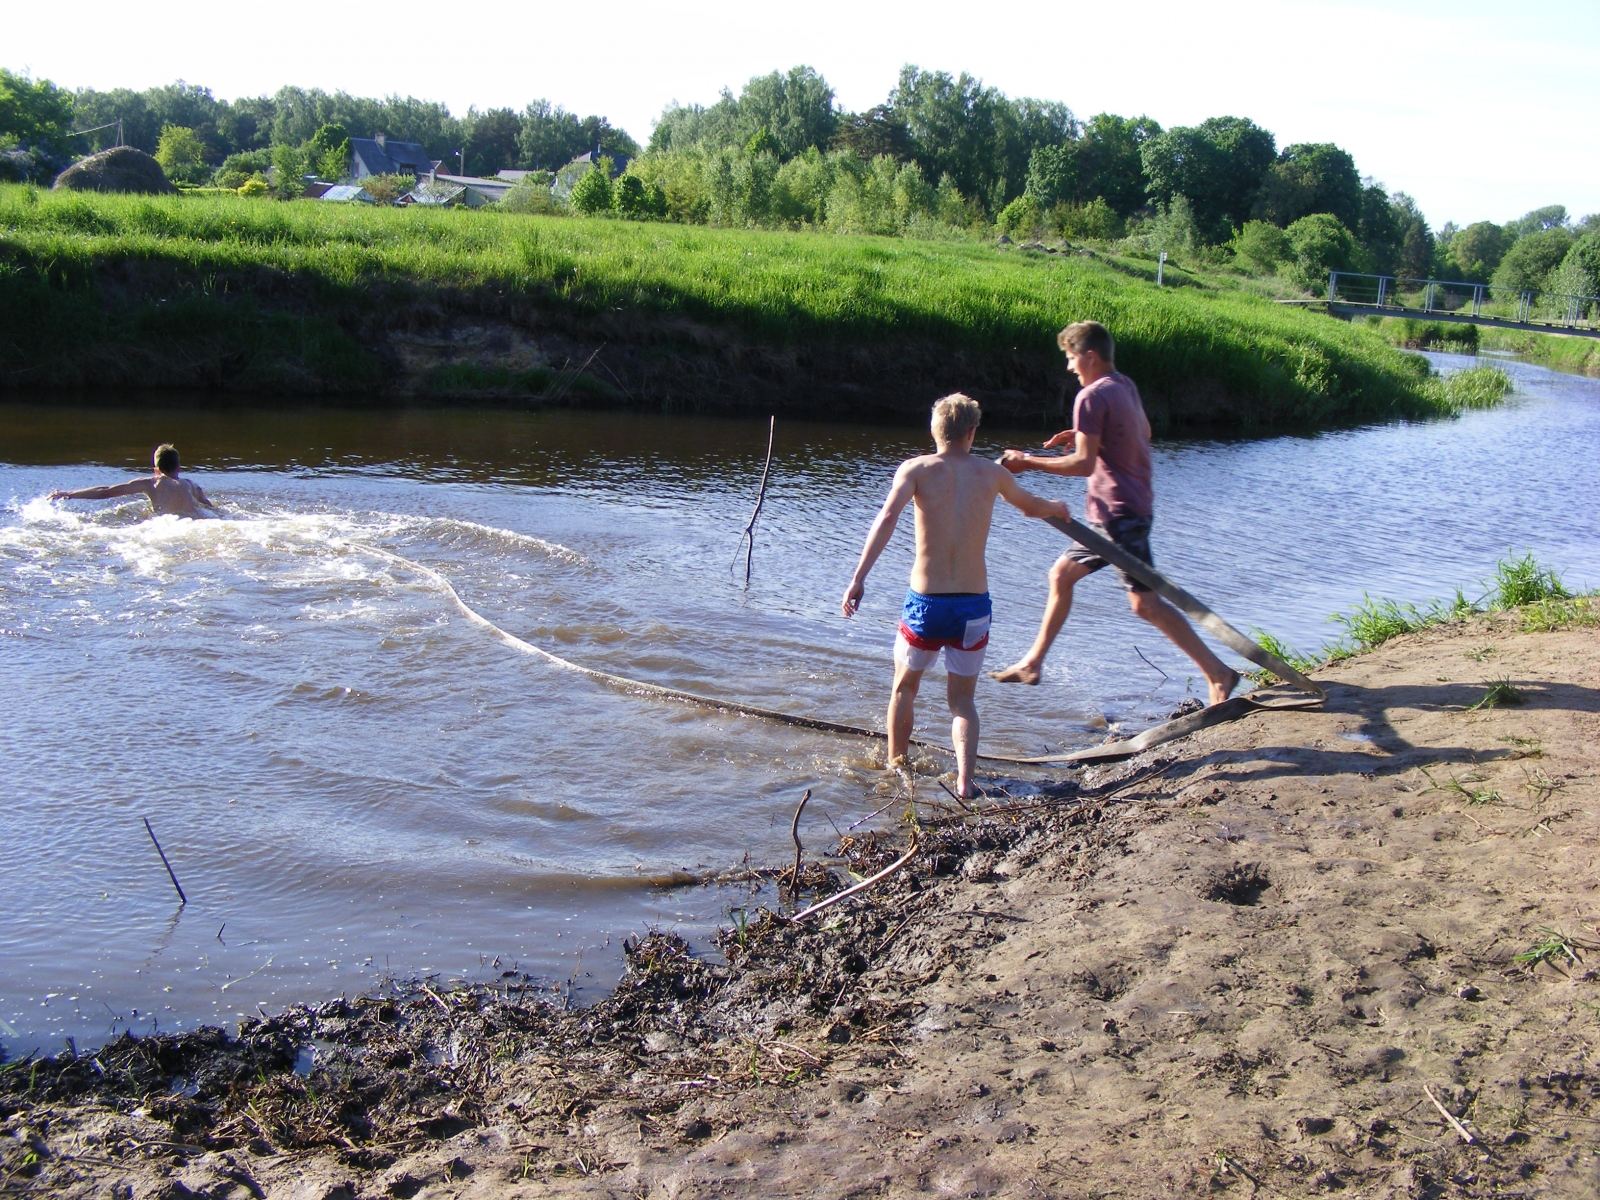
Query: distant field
[(261, 296)]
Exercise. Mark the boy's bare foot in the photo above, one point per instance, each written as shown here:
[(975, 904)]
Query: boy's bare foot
[(1221, 691), (1020, 673)]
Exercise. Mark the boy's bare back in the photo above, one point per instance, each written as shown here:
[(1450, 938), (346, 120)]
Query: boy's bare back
[(177, 497), (954, 495)]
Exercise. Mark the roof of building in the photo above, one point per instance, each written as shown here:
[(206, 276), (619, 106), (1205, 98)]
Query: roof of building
[(494, 189), (431, 192), (347, 192), (619, 162), (385, 156)]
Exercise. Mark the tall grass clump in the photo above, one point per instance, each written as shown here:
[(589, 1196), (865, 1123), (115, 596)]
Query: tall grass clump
[(1275, 645), (1473, 388), (1478, 387), (85, 277), (1376, 621), (1518, 584), (1520, 581), (1521, 585)]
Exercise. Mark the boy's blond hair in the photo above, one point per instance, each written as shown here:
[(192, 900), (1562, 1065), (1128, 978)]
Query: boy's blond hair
[(954, 417)]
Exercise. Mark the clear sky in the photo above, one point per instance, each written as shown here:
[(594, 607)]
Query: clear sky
[(1479, 110)]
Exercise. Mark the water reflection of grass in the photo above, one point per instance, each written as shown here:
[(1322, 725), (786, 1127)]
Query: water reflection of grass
[(293, 295), (1522, 585)]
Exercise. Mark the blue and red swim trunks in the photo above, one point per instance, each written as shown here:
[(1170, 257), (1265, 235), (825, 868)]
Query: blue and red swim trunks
[(955, 622)]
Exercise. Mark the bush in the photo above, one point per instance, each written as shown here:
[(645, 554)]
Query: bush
[(637, 200), (882, 196), (1173, 229), (252, 188), (236, 169), (1095, 221), (1262, 245), (1022, 216), (179, 149), (592, 193), (1423, 335), (386, 189), (800, 189), (1585, 253), (1531, 259), (532, 195), (1320, 245)]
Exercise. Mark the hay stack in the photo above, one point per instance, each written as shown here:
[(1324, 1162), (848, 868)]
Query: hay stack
[(120, 169)]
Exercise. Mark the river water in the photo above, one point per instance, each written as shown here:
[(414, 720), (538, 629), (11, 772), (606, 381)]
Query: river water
[(354, 781)]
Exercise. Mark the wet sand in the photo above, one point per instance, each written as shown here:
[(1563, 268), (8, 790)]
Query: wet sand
[(1239, 963)]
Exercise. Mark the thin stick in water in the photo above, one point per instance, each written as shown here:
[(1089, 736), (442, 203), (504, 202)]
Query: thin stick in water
[(761, 495), (182, 899), (1152, 665), (875, 812), (794, 832)]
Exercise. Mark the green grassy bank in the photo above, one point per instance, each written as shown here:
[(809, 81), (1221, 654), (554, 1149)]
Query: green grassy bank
[(1565, 353), (303, 298), (1578, 354)]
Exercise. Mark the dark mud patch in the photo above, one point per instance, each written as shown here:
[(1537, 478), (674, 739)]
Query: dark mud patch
[(369, 1081)]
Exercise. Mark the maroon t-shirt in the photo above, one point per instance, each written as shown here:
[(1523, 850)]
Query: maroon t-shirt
[(1110, 409)]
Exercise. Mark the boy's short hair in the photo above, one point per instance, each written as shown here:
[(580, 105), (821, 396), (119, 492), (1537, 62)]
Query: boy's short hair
[(1083, 336), (167, 458), (954, 417)]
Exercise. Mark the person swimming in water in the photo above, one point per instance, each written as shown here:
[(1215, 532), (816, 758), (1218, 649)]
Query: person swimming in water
[(169, 495)]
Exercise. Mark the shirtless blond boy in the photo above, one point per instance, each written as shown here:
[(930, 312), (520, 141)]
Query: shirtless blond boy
[(169, 495), (947, 607)]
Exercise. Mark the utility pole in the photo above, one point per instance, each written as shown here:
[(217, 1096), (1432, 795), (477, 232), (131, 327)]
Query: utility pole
[(1160, 267)]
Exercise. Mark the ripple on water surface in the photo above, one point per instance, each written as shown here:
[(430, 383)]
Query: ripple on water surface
[(351, 777)]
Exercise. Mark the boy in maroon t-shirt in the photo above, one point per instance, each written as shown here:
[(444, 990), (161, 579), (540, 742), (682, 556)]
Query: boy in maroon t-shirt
[(1111, 445)]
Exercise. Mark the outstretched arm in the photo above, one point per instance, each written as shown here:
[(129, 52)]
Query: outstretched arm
[(1079, 461), (134, 487), (900, 494), (204, 499), (1030, 505)]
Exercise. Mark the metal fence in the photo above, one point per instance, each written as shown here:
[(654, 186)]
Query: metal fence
[(1402, 297)]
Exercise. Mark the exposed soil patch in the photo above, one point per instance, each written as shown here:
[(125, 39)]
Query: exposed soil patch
[(1233, 966)]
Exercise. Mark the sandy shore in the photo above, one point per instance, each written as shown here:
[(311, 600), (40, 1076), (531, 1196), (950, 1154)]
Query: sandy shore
[(1238, 964)]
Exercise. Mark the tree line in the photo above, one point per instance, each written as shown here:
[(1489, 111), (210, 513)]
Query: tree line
[(943, 156)]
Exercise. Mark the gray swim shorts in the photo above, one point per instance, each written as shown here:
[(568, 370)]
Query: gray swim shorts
[(1126, 533)]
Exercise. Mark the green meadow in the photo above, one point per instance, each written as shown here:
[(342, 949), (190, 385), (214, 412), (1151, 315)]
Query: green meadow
[(293, 297)]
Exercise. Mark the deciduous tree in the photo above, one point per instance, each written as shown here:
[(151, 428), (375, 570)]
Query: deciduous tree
[(1310, 178), (1218, 165)]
